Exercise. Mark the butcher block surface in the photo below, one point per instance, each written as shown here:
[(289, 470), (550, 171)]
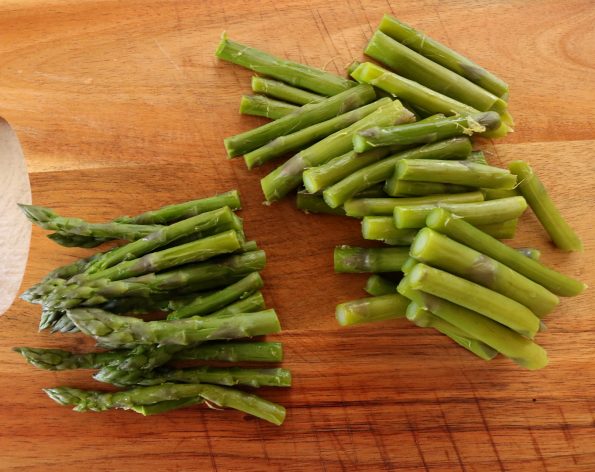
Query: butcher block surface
[(121, 107)]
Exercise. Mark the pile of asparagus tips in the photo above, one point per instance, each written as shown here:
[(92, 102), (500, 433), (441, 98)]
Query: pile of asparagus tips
[(190, 267), (393, 147)]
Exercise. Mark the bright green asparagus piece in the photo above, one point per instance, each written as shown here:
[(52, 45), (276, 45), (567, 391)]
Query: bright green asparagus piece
[(443, 55), (544, 208), (441, 252), (530, 252), (360, 259), (455, 172), (377, 285), (408, 266), (360, 207), (307, 136), (497, 193), (312, 203), (480, 213), (502, 230), (339, 193), (465, 233), (165, 406), (258, 105), (478, 157), (382, 228), (289, 175), (281, 91), (303, 117), (89, 400), (298, 75), (375, 191), (366, 310), (230, 351), (250, 304), (406, 188)]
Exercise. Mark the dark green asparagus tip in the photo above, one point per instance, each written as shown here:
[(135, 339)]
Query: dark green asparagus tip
[(37, 214), (66, 396)]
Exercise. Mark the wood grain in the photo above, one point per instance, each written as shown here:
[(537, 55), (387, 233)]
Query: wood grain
[(121, 107)]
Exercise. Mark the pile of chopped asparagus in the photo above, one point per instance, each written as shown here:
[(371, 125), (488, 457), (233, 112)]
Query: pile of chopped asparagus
[(190, 266), (393, 147)]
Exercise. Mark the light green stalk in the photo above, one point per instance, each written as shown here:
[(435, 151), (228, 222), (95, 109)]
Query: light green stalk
[(257, 105), (366, 310), (360, 259), (377, 285), (281, 91), (312, 203)]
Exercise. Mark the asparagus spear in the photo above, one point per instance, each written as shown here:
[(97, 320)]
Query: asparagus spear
[(303, 117), (497, 193), (422, 133), (382, 228), (530, 252), (289, 175), (360, 207), (89, 400), (465, 233), (377, 285), (480, 213), (307, 136), (281, 91), (231, 351), (165, 406), (375, 191), (250, 304), (366, 310), (443, 55), (339, 193), (544, 208), (478, 157), (441, 252), (312, 203), (475, 297), (257, 105), (455, 172), (360, 259), (396, 187), (298, 75)]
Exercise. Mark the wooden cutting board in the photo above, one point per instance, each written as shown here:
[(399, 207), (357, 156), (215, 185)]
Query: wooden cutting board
[(121, 106)]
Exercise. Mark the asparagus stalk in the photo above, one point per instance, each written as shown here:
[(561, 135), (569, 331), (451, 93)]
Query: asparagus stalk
[(396, 187), (407, 267), (289, 175), (442, 55), (339, 193), (544, 208), (303, 117), (360, 259), (480, 213), (298, 75), (230, 351), (455, 172), (304, 137), (475, 297), (281, 91), (382, 228), (375, 191), (530, 252), (360, 207), (444, 222), (377, 285), (89, 400), (312, 203), (257, 105), (165, 406), (366, 310), (250, 304), (441, 252), (497, 193), (478, 157)]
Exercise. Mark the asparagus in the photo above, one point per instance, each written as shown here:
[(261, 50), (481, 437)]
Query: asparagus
[(89, 400), (475, 297), (250, 304), (360, 259), (422, 133), (298, 75), (441, 252), (365, 310), (408, 266), (364, 178), (165, 406), (497, 193), (281, 91), (375, 191), (480, 213), (257, 105), (463, 232), (312, 203), (455, 172), (530, 252), (361, 207), (377, 285), (303, 117), (230, 351), (544, 208), (442, 55), (304, 137), (503, 230), (75, 240), (114, 331), (289, 175), (396, 187), (382, 228), (478, 157)]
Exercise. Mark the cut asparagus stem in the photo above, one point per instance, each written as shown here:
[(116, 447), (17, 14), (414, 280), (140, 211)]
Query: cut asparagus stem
[(165, 406), (424, 319), (375, 191), (475, 297), (89, 400), (405, 188), (304, 137), (298, 75), (116, 332), (230, 351), (250, 304), (441, 252), (312, 203), (455, 172), (360, 207), (480, 213), (377, 285), (366, 310), (444, 222), (408, 265), (382, 228), (530, 252), (339, 193), (442, 55), (503, 230), (303, 117), (497, 193), (289, 175), (423, 133), (544, 208), (478, 157), (257, 105), (284, 92), (360, 259)]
